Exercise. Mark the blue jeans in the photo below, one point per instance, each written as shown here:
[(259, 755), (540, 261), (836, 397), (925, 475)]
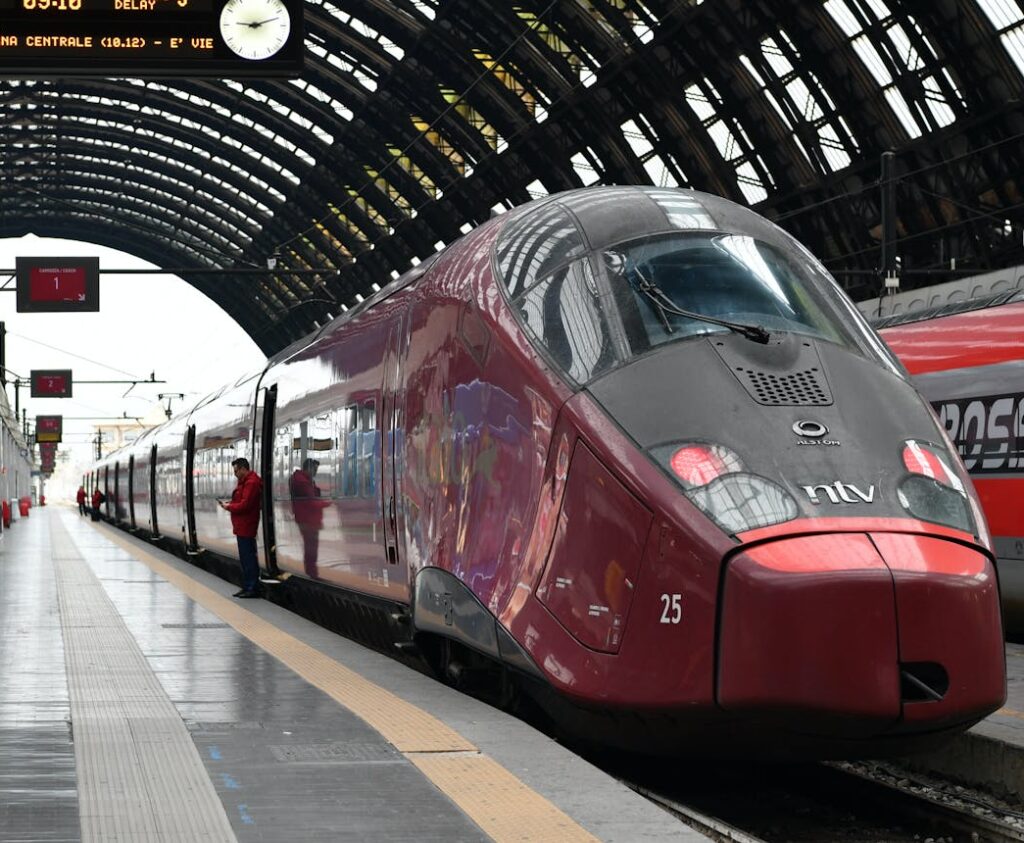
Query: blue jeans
[(250, 565)]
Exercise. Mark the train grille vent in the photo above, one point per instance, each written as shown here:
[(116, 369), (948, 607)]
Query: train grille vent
[(805, 388)]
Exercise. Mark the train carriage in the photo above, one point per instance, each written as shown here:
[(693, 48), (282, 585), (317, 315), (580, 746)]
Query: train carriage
[(968, 361), (218, 431), (632, 451)]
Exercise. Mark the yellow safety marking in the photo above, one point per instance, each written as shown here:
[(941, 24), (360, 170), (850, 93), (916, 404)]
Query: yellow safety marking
[(1011, 712), (497, 801)]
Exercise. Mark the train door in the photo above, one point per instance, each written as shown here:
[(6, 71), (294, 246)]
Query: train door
[(152, 494), (392, 425), (117, 492), (192, 543), (131, 491), (263, 457), (106, 490)]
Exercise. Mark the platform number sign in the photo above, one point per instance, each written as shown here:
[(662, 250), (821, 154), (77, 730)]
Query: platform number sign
[(50, 383), (671, 608), (49, 428), (58, 285)]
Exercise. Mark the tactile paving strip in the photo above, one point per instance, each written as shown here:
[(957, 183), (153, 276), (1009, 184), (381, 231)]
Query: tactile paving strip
[(140, 777), (496, 800)]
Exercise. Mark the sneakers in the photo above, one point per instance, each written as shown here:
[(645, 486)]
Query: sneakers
[(245, 594)]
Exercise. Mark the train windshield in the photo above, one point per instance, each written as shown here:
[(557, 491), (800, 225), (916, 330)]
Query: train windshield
[(728, 277), (602, 310)]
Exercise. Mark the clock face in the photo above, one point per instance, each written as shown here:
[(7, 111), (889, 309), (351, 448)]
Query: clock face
[(255, 29)]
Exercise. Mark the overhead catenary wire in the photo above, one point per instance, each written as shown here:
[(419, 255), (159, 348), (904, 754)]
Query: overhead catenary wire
[(77, 356), (898, 178), (929, 233)]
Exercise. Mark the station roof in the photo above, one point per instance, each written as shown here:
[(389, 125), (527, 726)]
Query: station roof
[(415, 119)]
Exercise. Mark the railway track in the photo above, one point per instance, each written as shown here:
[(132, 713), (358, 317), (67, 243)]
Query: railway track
[(845, 802)]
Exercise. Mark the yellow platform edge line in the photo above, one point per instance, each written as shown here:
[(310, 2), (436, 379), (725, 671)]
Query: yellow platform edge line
[(1011, 712), (495, 799)]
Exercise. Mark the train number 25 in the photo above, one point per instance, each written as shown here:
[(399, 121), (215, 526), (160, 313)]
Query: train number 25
[(671, 608)]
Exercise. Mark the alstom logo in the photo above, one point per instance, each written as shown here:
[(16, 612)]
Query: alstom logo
[(839, 492)]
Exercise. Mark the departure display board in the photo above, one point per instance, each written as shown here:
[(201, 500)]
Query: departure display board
[(49, 428), (57, 285), (50, 383), (219, 38)]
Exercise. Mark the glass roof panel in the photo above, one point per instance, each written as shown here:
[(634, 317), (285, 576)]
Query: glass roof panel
[(1002, 13), (583, 165), (1013, 43), (730, 139), (872, 60), (663, 170), (892, 49), (1006, 17), (427, 8), (432, 136), (799, 99), (903, 112), (473, 117)]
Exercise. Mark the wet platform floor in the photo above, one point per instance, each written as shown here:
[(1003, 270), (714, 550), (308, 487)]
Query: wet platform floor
[(138, 701)]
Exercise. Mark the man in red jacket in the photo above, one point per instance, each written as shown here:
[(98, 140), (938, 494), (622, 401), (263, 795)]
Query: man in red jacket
[(80, 497), (245, 519)]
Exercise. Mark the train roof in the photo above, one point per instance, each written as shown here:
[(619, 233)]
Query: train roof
[(968, 339), (947, 309), (614, 214)]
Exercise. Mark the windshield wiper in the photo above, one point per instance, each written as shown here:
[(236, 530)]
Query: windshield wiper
[(664, 305)]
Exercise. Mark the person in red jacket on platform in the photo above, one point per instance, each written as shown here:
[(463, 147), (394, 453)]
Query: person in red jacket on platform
[(244, 507), (80, 497)]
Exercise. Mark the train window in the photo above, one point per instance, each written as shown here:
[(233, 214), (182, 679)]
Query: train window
[(368, 449), (212, 475), (534, 245), (349, 431), (323, 449), (731, 277), (281, 460), (566, 314), (311, 448)]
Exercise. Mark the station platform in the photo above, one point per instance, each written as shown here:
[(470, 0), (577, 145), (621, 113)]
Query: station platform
[(140, 702)]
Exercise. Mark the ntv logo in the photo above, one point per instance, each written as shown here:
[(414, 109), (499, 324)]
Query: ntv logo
[(840, 492)]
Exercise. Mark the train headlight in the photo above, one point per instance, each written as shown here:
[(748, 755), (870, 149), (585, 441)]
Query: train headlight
[(697, 465), (934, 491), (714, 479)]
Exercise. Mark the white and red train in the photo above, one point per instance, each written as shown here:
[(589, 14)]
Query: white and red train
[(968, 361), (633, 449)]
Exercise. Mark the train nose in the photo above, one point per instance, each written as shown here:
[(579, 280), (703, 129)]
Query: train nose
[(858, 634)]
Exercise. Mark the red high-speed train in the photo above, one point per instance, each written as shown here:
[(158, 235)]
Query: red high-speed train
[(968, 360), (633, 450)]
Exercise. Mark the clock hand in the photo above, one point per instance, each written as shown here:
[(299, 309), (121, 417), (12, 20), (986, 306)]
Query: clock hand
[(256, 24)]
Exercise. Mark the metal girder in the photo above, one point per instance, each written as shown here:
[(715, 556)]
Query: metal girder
[(413, 119)]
